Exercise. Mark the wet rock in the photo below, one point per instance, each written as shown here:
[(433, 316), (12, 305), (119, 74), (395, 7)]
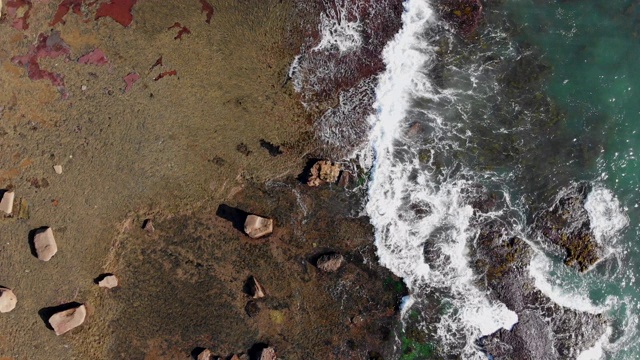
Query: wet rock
[(463, 15), (268, 354), (324, 172), (256, 226), (6, 204), (254, 288), (108, 281), (205, 355), (566, 225), (8, 300), (66, 320), (45, 244), (330, 262), (345, 179)]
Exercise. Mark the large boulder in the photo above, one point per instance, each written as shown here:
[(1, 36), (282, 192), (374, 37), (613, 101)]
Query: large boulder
[(256, 226), (8, 300), (45, 244), (66, 320), (324, 172), (330, 262)]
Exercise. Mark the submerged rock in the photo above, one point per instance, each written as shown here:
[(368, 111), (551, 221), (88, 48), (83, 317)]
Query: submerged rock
[(330, 262), (45, 244), (66, 320), (566, 224), (256, 226), (6, 204), (324, 172), (8, 300)]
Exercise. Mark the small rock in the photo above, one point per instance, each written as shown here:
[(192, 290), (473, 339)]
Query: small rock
[(257, 227), (45, 244), (66, 320), (330, 263), (8, 300), (6, 204), (147, 225), (323, 172), (254, 288), (268, 354), (57, 169), (252, 308), (109, 282), (205, 355)]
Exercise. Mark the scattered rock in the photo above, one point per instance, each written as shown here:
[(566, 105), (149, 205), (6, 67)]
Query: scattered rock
[(330, 262), (205, 355), (147, 225), (57, 169), (256, 226), (109, 281), (8, 300), (268, 354), (252, 308), (243, 149), (324, 172), (255, 289), (6, 204), (45, 244), (63, 321), (274, 150)]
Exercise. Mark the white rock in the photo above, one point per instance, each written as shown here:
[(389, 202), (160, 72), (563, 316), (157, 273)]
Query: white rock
[(109, 282), (8, 300), (57, 169), (45, 244), (6, 204), (268, 354), (257, 290), (256, 226), (66, 320), (205, 355)]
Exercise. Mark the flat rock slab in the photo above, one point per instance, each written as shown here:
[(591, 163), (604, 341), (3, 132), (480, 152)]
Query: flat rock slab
[(8, 300), (256, 226), (66, 320), (45, 244), (109, 282), (6, 204)]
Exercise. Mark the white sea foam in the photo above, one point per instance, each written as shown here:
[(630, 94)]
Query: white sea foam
[(398, 179), (606, 215), (596, 352), (338, 31)]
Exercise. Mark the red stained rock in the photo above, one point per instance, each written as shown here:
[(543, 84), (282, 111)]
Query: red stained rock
[(18, 11), (157, 63), (129, 80), (208, 9), (165, 73), (64, 8), (48, 46), (182, 30), (118, 10), (95, 57)]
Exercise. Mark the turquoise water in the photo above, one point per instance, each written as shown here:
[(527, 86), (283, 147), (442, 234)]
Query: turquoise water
[(593, 48)]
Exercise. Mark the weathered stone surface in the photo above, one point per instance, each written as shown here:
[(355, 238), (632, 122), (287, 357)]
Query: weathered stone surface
[(8, 300), (566, 224), (256, 226), (268, 354), (6, 204), (67, 320), (45, 244), (109, 282), (205, 355), (324, 172), (330, 262)]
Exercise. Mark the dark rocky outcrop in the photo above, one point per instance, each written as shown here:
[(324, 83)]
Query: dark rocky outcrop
[(463, 15), (566, 224)]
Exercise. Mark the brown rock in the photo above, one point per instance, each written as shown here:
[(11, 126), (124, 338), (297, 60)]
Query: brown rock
[(257, 227), (8, 300), (324, 172), (45, 244), (268, 354), (6, 204), (66, 320), (205, 355), (109, 282), (330, 263)]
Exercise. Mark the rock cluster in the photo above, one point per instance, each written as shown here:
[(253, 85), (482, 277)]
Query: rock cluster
[(66, 320), (45, 244), (324, 172), (8, 300), (256, 226)]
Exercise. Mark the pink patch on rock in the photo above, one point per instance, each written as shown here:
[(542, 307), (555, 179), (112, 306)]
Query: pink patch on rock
[(96, 57), (165, 73), (129, 80), (182, 30), (18, 11), (118, 10), (47, 46), (208, 9), (64, 8)]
